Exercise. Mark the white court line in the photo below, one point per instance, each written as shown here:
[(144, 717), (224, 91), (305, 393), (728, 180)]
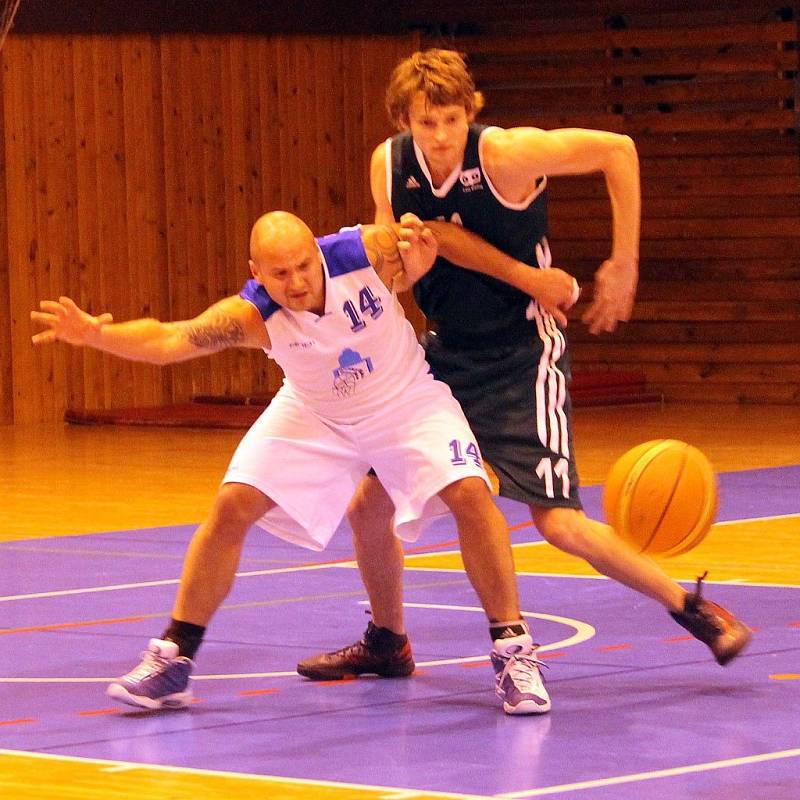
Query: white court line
[(583, 632), (645, 776), (108, 766), (169, 582)]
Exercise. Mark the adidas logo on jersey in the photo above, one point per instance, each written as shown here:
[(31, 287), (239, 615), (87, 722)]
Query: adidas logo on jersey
[(412, 183)]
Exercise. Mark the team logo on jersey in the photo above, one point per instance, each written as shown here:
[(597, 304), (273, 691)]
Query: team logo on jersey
[(412, 183), (352, 368), (471, 179)]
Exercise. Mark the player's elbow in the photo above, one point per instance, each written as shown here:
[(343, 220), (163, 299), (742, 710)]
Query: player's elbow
[(625, 149)]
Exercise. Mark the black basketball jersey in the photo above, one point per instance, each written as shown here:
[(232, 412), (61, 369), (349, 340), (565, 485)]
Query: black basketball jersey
[(466, 306)]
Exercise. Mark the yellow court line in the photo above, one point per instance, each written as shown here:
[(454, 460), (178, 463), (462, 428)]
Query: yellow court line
[(95, 779)]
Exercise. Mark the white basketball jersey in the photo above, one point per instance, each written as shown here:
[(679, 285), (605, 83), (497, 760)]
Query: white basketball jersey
[(361, 353)]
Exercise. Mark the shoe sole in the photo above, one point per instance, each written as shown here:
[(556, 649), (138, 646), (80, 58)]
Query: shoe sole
[(321, 675), (526, 707), (173, 701)]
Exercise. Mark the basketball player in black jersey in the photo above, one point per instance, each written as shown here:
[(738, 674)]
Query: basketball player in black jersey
[(500, 340)]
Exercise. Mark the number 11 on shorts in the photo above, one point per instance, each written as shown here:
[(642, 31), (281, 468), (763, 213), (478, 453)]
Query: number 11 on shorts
[(548, 473)]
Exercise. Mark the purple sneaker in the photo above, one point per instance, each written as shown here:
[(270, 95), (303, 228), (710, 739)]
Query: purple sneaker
[(519, 682), (160, 681)]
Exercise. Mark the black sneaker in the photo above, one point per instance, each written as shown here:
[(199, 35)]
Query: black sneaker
[(713, 625), (379, 652)]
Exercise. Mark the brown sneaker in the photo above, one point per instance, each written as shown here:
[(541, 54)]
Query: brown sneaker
[(379, 652), (713, 625)]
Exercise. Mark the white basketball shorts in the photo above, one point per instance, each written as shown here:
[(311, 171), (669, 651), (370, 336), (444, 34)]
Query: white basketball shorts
[(418, 444)]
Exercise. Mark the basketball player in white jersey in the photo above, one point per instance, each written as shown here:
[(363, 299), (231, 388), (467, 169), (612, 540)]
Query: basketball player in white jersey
[(357, 394), (505, 358)]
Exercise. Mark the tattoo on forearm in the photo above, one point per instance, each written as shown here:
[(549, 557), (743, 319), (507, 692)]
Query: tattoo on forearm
[(216, 334), (381, 247)]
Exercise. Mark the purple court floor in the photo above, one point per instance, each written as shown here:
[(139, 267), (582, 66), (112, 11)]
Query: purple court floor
[(639, 711)]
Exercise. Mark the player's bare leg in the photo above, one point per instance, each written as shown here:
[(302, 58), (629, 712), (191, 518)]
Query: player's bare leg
[(573, 532), (384, 648), (379, 553), (212, 558), (161, 680)]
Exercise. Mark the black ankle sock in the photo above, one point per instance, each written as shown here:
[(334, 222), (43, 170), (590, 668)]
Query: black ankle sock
[(507, 630), (383, 640), (186, 635)]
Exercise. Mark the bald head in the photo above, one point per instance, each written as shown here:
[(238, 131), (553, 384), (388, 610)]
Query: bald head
[(285, 260), (276, 234)]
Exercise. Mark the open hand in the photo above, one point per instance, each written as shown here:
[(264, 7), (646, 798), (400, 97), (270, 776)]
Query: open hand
[(614, 293), (65, 322)]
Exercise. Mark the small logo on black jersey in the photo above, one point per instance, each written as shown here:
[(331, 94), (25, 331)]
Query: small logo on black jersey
[(471, 179), (412, 183)]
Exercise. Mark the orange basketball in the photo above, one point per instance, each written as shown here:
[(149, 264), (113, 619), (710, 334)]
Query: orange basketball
[(661, 496)]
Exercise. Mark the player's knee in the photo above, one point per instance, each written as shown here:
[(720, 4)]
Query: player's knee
[(564, 528), (468, 495), (236, 508), (370, 506)]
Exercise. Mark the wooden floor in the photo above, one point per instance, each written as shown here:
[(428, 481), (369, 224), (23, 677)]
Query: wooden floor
[(61, 479)]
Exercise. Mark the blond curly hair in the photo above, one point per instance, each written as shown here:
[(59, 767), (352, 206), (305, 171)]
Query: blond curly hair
[(443, 77)]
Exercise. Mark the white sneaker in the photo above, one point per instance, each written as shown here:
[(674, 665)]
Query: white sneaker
[(518, 680)]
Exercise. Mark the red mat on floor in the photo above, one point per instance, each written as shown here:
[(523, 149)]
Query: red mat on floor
[(588, 389)]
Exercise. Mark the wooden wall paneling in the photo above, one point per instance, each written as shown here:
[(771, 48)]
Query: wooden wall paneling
[(712, 249), (242, 170), (300, 120), (707, 289), (199, 84), (332, 175), (182, 79), (288, 139), (212, 53), (691, 228), (144, 161), (90, 288), (6, 371), (259, 170), (117, 279), (45, 260), (59, 204), (660, 332), (709, 207), (605, 353), (356, 160), (31, 367), (731, 143)]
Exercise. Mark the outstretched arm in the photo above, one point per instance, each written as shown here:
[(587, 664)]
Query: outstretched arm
[(232, 322), (515, 158)]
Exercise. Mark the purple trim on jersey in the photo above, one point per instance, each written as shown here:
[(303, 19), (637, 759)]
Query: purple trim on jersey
[(344, 252), (255, 293)]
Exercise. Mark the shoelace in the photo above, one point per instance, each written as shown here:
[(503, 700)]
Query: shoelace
[(524, 671), (152, 664)]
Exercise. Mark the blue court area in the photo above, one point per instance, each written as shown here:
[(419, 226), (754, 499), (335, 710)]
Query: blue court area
[(639, 710)]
